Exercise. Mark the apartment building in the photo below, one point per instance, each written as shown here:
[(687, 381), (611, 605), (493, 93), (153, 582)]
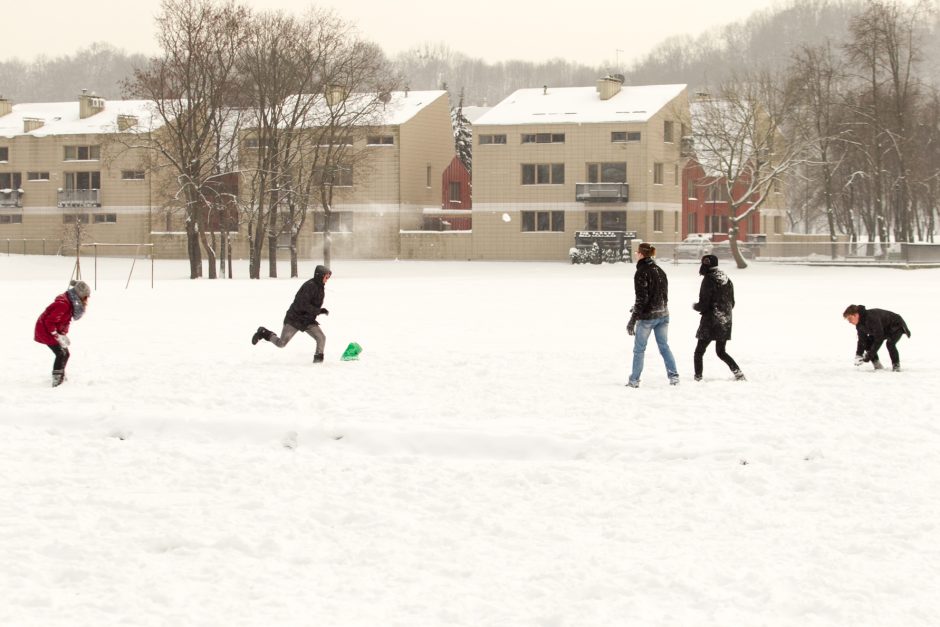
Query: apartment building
[(70, 167), (550, 161), (387, 193)]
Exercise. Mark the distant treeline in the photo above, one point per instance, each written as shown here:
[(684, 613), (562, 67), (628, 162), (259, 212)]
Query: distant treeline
[(766, 39)]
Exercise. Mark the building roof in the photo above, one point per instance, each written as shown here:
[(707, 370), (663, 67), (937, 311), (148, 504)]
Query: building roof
[(62, 118), (574, 105), (400, 107)]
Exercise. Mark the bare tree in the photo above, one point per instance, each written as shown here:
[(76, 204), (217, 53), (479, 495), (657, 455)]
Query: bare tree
[(193, 87), (819, 77), (738, 139), (358, 85)]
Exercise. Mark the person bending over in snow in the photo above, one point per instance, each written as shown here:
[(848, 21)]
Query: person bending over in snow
[(302, 315), (52, 327), (715, 302), (874, 327)]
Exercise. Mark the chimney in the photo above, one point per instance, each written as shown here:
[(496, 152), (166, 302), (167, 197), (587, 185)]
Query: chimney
[(335, 94), (89, 104), (31, 124), (609, 86), (125, 121), (5, 106)]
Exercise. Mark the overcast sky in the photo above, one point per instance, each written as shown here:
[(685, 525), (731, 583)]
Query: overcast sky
[(594, 32)]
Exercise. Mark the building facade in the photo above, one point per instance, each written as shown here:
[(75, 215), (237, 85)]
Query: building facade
[(549, 162)]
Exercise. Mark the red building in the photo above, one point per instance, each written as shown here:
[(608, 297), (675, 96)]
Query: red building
[(456, 200), (705, 206)]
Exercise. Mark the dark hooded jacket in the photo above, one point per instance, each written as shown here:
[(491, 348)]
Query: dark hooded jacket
[(715, 302), (875, 326), (652, 290), (308, 303)]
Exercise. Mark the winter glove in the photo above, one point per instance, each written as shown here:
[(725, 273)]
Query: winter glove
[(631, 326), (696, 307), (859, 360), (866, 357), (324, 311), (63, 340)]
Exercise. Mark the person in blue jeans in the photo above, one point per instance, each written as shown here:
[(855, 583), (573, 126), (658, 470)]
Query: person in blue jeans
[(650, 314)]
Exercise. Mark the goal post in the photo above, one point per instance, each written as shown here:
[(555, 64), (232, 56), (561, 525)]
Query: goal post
[(135, 252)]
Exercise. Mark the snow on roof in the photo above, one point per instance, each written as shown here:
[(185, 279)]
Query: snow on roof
[(62, 118), (473, 113), (400, 108), (564, 105)]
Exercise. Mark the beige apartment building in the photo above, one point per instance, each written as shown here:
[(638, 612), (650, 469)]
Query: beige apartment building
[(70, 166), (73, 166), (388, 191), (548, 162)]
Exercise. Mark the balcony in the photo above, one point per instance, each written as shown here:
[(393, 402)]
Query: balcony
[(602, 192), (79, 198), (11, 198)]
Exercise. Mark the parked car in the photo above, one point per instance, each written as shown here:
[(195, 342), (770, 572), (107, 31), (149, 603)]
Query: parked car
[(722, 250), (694, 246)]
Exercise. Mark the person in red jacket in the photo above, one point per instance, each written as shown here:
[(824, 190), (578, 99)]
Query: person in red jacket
[(52, 327)]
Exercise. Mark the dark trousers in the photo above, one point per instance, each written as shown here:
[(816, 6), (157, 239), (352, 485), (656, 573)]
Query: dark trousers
[(892, 344), (719, 350), (61, 357)]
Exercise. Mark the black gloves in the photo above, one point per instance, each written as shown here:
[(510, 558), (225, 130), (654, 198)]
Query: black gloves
[(631, 326), (324, 311), (696, 307)]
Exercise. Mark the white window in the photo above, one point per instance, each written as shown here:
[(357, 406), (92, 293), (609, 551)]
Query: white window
[(37, 176)]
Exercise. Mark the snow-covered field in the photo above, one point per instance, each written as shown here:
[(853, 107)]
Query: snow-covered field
[(493, 468)]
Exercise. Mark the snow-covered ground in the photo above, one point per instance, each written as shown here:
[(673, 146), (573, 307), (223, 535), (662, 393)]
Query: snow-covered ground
[(493, 468)]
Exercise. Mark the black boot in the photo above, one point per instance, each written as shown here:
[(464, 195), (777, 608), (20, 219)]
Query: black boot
[(58, 376), (260, 334), (318, 358)]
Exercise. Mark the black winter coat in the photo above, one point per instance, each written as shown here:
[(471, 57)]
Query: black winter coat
[(308, 303), (875, 326), (715, 302), (652, 290)]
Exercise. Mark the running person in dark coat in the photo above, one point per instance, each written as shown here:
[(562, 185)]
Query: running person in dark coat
[(715, 302), (52, 327), (302, 315), (650, 314), (876, 327)]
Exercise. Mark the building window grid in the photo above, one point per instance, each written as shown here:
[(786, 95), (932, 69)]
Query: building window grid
[(621, 137), (14, 218), (4, 153), (132, 175), (37, 176), (552, 221), (454, 191), (657, 174), (543, 138), (492, 139), (543, 173), (658, 221), (82, 153)]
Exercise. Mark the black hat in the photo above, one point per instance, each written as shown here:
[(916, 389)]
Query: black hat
[(708, 262)]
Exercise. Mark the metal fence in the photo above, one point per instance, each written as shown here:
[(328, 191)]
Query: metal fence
[(841, 253), (34, 246)]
